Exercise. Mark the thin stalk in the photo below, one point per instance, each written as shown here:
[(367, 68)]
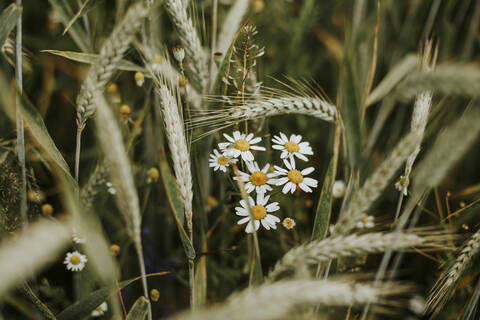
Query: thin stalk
[(19, 118), (143, 274), (191, 283), (77, 152)]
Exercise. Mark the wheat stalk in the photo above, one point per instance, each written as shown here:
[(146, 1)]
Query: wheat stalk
[(451, 79), (120, 172), (354, 245), (101, 71), (181, 161), (279, 300), (196, 60), (420, 113), (375, 184), (260, 107), (444, 288), (231, 24)]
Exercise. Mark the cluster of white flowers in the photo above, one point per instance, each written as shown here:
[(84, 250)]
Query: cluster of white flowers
[(75, 261), (261, 180)]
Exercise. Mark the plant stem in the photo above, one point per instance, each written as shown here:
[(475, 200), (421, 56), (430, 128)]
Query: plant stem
[(141, 264), (77, 152), (19, 118), (191, 283)]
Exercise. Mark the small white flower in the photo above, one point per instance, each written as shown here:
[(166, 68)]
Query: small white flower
[(257, 180), (157, 63), (240, 145), (366, 222), (100, 310), (338, 189), (331, 229), (293, 177), (260, 211), (77, 237), (402, 185), (139, 78), (75, 261), (289, 223), (110, 188), (292, 147), (220, 161)]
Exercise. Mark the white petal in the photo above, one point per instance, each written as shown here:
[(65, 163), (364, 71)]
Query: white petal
[(281, 181), (228, 137), (284, 154), (307, 171), (304, 187), (255, 140), (249, 228), (241, 211), (286, 187), (310, 182), (288, 164), (236, 136), (297, 139), (247, 156), (249, 137), (284, 137), (249, 187), (265, 224), (251, 202), (257, 224), (272, 218), (278, 147), (280, 169), (243, 220), (300, 156), (272, 207), (258, 148)]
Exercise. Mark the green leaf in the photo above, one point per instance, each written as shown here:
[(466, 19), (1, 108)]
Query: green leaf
[(176, 204), (139, 310), (87, 5), (39, 132), (85, 306), (8, 20), (351, 114), (91, 58), (324, 207), (201, 280), (65, 12)]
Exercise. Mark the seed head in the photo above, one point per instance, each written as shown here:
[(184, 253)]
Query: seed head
[(115, 249), (125, 111), (153, 174), (47, 210), (139, 78), (179, 53), (154, 295)]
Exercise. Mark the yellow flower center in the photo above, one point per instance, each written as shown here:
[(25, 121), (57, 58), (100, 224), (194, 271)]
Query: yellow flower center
[(75, 260), (295, 176), (259, 212), (291, 146), (242, 145), (258, 178), (99, 308), (222, 161), (288, 223), (365, 219)]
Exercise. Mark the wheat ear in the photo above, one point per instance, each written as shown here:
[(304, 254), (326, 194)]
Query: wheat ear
[(421, 110), (181, 161), (196, 60), (375, 184), (444, 288), (280, 299), (354, 245), (102, 70), (120, 170)]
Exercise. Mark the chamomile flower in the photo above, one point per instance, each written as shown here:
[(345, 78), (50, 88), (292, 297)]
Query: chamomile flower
[(257, 180), (402, 185), (288, 223), (260, 211), (367, 222), (220, 161), (75, 261), (240, 145), (100, 310), (338, 190), (77, 237), (292, 146), (294, 178)]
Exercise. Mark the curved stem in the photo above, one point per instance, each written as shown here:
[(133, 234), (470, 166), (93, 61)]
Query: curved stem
[(141, 264)]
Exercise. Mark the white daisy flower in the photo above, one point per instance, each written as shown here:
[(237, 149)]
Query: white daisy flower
[(294, 177), (338, 189), (75, 261), (100, 310), (289, 223), (366, 222), (402, 185), (220, 161), (77, 237), (260, 211), (240, 145), (292, 147), (257, 180)]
